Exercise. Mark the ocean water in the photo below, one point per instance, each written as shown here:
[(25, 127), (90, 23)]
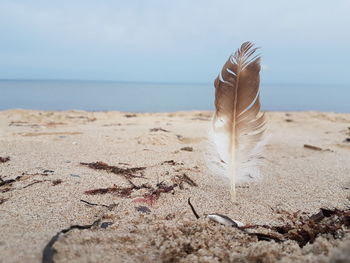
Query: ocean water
[(157, 97)]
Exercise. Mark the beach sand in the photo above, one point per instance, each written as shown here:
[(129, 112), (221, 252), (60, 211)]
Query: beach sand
[(142, 215)]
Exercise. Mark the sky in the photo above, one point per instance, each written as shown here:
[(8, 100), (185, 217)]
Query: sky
[(183, 41)]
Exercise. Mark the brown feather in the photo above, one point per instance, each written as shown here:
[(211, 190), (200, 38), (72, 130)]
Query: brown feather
[(237, 103)]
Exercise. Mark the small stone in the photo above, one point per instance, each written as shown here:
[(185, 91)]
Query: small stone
[(143, 209), (106, 224)]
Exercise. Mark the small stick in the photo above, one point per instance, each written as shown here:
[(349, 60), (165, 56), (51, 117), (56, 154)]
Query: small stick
[(311, 147), (192, 208), (86, 202)]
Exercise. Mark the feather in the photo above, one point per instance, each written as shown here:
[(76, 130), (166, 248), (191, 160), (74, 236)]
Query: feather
[(238, 124)]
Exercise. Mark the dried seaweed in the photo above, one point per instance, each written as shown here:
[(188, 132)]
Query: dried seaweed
[(49, 251), (301, 229), (24, 176), (324, 222), (185, 178), (126, 172), (119, 191), (154, 194), (150, 197), (4, 159), (306, 230)]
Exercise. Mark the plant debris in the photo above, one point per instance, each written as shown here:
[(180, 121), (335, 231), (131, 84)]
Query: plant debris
[(56, 182), (4, 159), (49, 251), (312, 147), (316, 148), (306, 230), (301, 229), (110, 207), (35, 182), (149, 197), (119, 191), (126, 172), (154, 193), (184, 178), (326, 221), (187, 149), (171, 162), (43, 173), (158, 129), (8, 182), (192, 208)]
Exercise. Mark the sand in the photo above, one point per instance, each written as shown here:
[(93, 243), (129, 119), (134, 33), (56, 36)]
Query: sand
[(46, 150)]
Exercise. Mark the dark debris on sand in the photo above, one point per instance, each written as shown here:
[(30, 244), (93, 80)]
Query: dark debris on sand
[(49, 251), (187, 149), (158, 129), (305, 229), (3, 200), (126, 172), (300, 228), (130, 115), (4, 159), (152, 192)]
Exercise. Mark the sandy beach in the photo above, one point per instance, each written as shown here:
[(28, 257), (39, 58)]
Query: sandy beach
[(113, 187)]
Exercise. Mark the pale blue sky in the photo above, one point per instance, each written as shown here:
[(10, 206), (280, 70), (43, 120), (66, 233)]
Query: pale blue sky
[(173, 41)]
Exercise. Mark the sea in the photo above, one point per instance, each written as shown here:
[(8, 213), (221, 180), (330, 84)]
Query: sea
[(161, 97)]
